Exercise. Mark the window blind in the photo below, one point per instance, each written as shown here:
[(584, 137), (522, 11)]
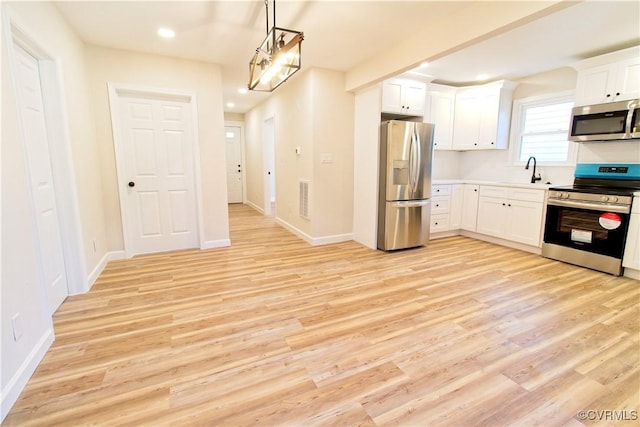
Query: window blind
[(544, 132)]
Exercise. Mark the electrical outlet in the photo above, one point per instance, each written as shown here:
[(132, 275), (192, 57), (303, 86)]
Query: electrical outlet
[(16, 325)]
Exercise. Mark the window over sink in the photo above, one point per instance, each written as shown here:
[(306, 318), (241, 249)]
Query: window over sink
[(540, 128)]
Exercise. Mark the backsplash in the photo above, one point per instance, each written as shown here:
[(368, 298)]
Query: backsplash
[(609, 152)]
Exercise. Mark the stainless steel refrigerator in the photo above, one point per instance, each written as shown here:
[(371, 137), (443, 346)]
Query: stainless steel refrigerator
[(404, 208)]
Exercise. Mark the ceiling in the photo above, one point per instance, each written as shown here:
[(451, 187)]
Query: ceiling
[(342, 34)]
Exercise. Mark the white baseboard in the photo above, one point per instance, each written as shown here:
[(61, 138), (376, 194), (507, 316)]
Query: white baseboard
[(254, 206), (212, 244), (18, 381), (502, 242), (631, 273), (97, 271), (336, 238), (315, 241)]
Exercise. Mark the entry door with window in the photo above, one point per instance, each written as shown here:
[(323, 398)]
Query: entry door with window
[(234, 164), (36, 141), (158, 141)]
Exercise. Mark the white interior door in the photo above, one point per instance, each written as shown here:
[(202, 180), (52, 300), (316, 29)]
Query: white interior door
[(234, 164), (269, 159), (158, 139), (40, 173)]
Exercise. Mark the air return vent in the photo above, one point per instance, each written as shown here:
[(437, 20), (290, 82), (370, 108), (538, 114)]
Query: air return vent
[(304, 199)]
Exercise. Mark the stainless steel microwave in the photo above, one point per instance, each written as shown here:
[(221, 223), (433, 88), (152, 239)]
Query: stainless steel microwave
[(606, 122)]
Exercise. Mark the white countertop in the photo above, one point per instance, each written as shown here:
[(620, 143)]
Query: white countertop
[(536, 186)]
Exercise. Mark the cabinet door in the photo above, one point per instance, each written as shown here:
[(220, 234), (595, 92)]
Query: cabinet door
[(489, 107), (414, 97), (469, 207), (524, 222), (627, 84), (441, 114), (392, 96), (593, 85), (466, 122), (492, 216), (456, 201)]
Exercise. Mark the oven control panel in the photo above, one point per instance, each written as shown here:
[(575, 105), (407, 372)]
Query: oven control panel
[(582, 200), (625, 171)]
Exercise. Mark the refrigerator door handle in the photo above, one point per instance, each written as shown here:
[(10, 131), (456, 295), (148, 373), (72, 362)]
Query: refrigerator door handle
[(418, 158), (414, 162), (410, 204)]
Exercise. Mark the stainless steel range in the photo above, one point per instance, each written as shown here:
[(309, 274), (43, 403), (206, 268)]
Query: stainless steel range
[(587, 223)]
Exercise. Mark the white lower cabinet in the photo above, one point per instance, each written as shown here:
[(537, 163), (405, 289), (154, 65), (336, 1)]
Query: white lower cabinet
[(469, 217), (511, 213), (451, 207), (440, 205)]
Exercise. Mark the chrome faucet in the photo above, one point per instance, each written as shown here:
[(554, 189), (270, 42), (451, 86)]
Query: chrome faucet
[(534, 178)]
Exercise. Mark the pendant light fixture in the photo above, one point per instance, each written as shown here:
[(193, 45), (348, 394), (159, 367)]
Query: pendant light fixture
[(277, 58)]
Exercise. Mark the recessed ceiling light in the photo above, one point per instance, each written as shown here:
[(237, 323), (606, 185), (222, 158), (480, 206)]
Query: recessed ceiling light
[(425, 64), (482, 76), (230, 104), (166, 33), (243, 90)]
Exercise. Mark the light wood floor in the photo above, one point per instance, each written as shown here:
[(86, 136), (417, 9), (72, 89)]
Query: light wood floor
[(272, 331)]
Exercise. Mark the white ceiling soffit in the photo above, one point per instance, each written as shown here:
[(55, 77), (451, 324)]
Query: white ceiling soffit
[(340, 35)]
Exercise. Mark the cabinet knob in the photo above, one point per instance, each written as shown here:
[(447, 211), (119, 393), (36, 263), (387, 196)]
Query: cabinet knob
[(617, 93), (131, 184), (475, 143), (509, 205), (504, 204), (491, 142), (475, 189), (608, 95)]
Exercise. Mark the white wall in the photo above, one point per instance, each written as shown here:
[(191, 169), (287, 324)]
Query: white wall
[(43, 23), (118, 66), (609, 152), (21, 287), (366, 149), (311, 112), (332, 115)]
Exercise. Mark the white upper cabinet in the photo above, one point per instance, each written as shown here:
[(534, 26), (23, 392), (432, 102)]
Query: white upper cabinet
[(402, 96), (609, 78), (482, 116), (439, 111)]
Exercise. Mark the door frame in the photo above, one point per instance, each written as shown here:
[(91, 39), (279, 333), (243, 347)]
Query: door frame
[(115, 91), (61, 153), (234, 123)]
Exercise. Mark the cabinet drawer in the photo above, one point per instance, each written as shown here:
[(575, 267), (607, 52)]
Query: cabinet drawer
[(440, 204), (440, 190), (526, 194), (439, 222), (492, 191)]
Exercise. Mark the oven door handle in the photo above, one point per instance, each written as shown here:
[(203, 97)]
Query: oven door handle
[(593, 206)]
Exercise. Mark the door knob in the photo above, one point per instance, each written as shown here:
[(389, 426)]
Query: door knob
[(132, 184)]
